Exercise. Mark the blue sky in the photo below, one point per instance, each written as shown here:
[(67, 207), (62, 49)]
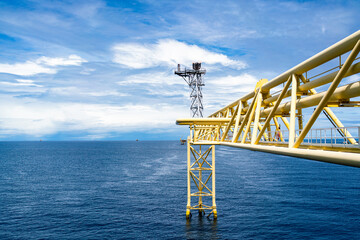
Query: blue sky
[(103, 70)]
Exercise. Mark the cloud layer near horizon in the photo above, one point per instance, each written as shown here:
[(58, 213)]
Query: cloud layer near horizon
[(51, 118)]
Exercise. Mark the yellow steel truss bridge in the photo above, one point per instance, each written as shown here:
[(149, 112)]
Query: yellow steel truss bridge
[(253, 121)]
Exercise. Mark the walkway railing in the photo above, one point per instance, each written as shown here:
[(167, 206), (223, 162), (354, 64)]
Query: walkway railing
[(329, 137)]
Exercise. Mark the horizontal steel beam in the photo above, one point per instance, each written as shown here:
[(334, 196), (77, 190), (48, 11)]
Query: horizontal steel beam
[(342, 158), (202, 121)]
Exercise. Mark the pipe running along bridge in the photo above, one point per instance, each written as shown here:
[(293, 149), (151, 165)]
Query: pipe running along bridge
[(253, 121)]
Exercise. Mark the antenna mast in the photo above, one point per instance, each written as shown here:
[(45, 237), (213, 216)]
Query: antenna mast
[(194, 78)]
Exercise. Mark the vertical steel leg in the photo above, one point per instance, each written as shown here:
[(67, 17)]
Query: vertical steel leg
[(188, 214), (213, 182), (200, 171), (201, 187), (292, 111)]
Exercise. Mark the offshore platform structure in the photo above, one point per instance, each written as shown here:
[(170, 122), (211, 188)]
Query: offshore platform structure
[(253, 120), (199, 168), (194, 78)]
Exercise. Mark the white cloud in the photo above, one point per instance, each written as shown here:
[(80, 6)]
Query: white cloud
[(27, 68), (41, 65), (72, 60), (157, 84), (22, 82), (87, 71), (39, 118), (22, 86), (167, 92), (25, 81), (152, 78), (222, 91), (168, 52), (75, 91), (241, 84), (231, 81)]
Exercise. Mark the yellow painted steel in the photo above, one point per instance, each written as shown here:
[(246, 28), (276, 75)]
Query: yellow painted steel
[(292, 110), (200, 170), (272, 113), (333, 116), (329, 92), (251, 122)]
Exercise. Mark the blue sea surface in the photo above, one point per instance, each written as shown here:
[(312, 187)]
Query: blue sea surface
[(137, 190)]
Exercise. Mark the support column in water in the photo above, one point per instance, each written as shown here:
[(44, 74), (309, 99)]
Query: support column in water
[(200, 169)]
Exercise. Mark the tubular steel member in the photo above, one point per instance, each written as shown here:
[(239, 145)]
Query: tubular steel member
[(252, 121), (200, 170), (329, 92)]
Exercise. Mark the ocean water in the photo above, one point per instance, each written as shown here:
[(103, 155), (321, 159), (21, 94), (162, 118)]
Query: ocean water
[(137, 190)]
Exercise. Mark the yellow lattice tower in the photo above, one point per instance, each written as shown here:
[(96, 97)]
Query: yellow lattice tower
[(200, 169)]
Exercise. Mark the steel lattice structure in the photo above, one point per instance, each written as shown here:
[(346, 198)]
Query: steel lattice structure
[(194, 78), (253, 121)]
